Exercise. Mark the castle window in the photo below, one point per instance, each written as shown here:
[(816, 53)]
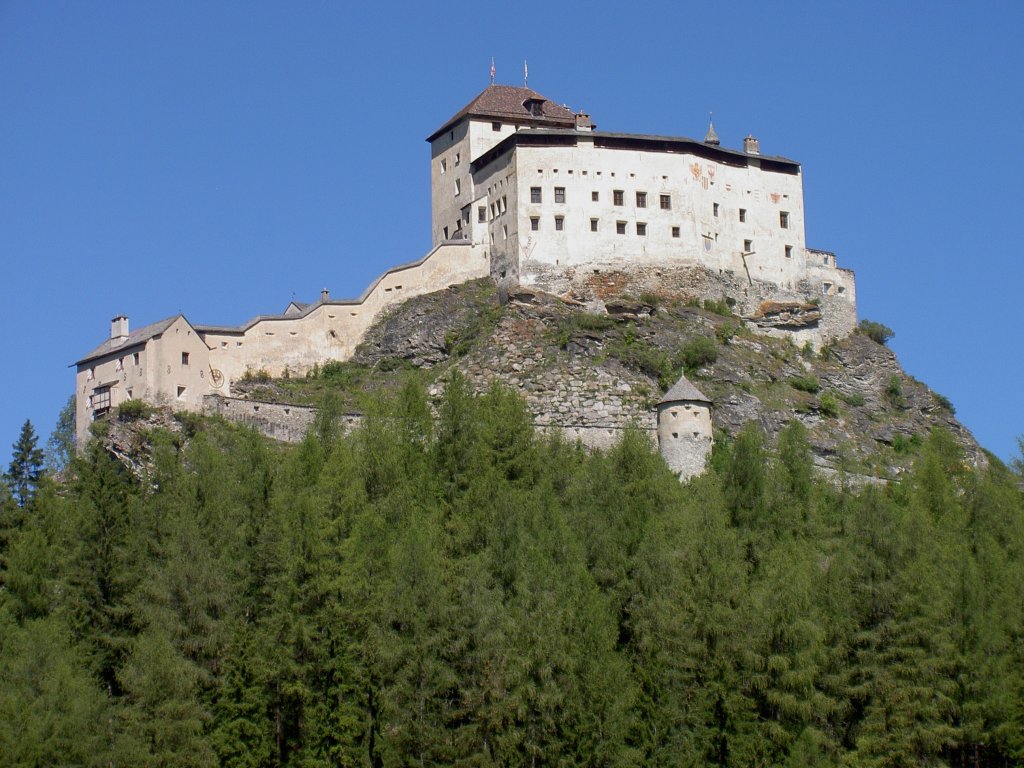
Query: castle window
[(824, 259), (184, 358), (714, 208), (458, 159), (789, 251), (593, 225), (826, 288), (504, 231), (559, 194), (495, 126), (559, 223), (465, 216), (743, 214), (535, 223), (620, 227), (446, 233), (444, 165), (181, 393), (504, 203), (535, 195), (841, 290), (618, 196), (666, 202), (135, 358), (458, 187), (641, 199), (481, 213), (675, 231), (641, 228), (784, 219), (595, 196), (748, 246)]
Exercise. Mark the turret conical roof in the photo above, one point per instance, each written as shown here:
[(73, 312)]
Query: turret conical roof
[(683, 391)]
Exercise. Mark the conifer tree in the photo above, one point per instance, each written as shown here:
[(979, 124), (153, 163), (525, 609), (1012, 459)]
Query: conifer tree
[(26, 465)]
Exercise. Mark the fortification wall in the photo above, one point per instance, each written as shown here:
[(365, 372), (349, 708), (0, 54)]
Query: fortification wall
[(278, 421)]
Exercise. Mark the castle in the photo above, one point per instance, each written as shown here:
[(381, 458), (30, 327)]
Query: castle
[(529, 192)]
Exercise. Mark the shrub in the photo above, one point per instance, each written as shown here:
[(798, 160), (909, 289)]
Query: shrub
[(854, 399), (256, 376), (650, 299), (828, 404), (904, 444), (590, 321), (944, 402), (698, 352), (726, 331), (876, 331), (719, 307), (894, 390), (130, 410), (808, 383)]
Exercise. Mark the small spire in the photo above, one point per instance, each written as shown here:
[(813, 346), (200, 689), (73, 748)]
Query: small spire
[(492, 70), (526, 74), (712, 137)]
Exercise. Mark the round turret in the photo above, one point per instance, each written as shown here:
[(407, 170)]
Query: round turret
[(684, 429)]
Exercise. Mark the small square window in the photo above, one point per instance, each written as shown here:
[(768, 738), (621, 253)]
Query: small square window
[(743, 214), (784, 219), (495, 126), (595, 196), (181, 393), (826, 288), (666, 202), (481, 213), (675, 231), (748, 246), (789, 251), (641, 228), (559, 223), (618, 196), (559, 194), (620, 227), (184, 358), (593, 225), (535, 223), (535, 195), (641, 199), (714, 208)]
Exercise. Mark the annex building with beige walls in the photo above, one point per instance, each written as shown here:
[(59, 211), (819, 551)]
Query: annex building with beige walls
[(528, 192)]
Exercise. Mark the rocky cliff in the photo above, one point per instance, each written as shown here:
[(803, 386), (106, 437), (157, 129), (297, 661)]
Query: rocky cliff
[(591, 369)]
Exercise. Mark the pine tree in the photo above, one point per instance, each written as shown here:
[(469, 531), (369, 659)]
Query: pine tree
[(26, 466)]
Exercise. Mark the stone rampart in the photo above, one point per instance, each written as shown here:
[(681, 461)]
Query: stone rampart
[(279, 421)]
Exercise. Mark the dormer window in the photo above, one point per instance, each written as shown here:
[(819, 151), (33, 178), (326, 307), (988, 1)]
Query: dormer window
[(534, 106)]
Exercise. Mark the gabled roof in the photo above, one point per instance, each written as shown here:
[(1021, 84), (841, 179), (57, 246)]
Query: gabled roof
[(682, 391), (509, 103), (136, 337)]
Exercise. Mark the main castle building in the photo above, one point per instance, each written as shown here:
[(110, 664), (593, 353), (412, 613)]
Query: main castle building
[(529, 192)]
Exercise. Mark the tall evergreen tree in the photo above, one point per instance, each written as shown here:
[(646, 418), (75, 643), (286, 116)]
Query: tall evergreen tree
[(26, 465)]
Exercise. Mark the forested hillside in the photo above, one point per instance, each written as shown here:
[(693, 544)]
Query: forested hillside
[(457, 589)]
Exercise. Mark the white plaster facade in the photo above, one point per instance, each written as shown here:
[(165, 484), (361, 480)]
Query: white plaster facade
[(546, 194)]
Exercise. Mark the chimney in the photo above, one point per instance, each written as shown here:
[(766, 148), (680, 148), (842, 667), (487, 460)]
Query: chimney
[(583, 122), (119, 330), (325, 295), (751, 146)]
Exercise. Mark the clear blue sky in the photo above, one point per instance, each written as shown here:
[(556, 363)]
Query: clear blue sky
[(218, 158)]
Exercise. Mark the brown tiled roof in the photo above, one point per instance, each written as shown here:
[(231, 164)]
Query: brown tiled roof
[(507, 102), (140, 336)]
